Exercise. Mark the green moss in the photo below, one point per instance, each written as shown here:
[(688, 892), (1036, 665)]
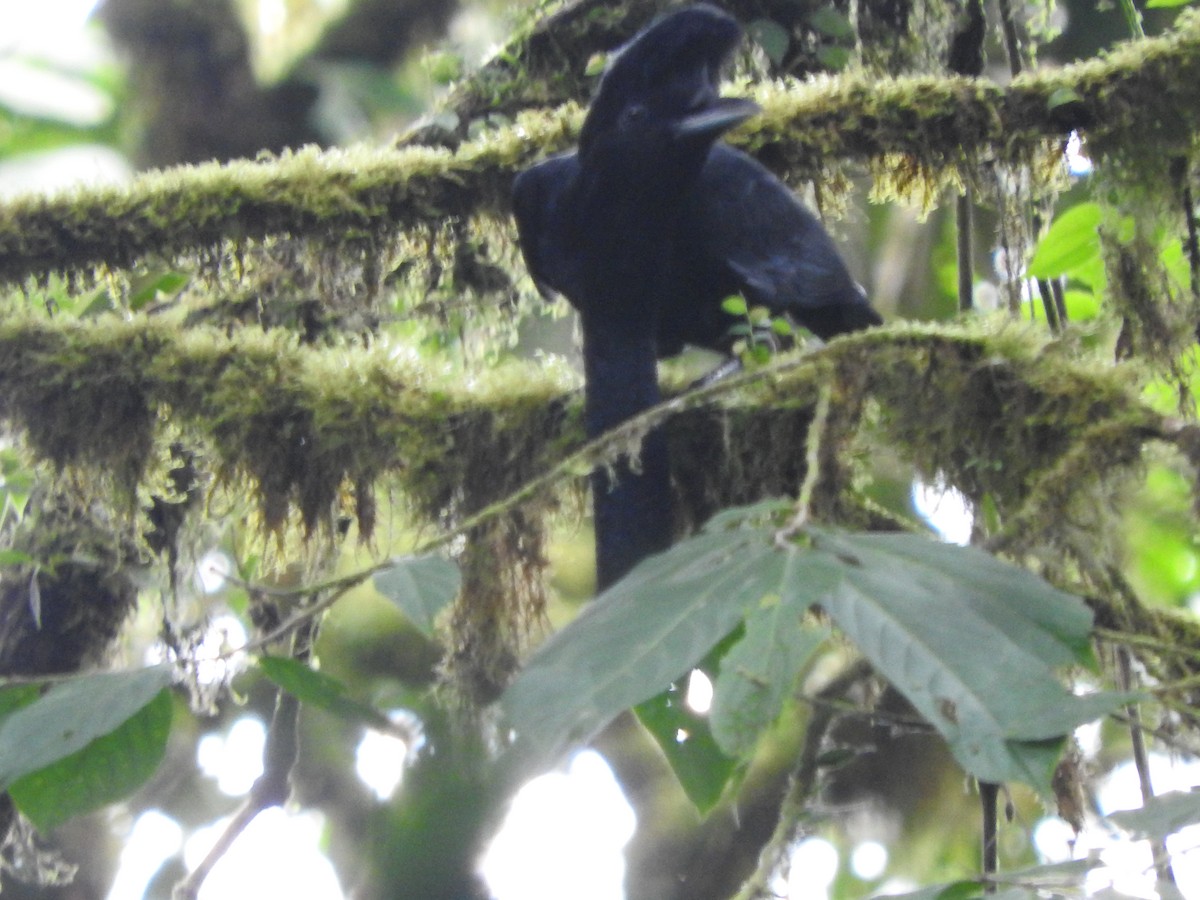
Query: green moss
[(1143, 96)]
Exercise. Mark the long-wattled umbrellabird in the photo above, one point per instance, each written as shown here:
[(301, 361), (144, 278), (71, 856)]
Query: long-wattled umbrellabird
[(646, 228)]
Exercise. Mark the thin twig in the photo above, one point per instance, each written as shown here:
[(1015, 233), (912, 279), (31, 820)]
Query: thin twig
[(273, 786), (964, 223), (1133, 18), (803, 783), (1012, 44), (812, 463), (990, 863), (1141, 762)]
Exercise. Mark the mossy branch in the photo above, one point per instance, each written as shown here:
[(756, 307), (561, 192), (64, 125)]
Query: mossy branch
[(543, 63), (995, 411), (1145, 92)]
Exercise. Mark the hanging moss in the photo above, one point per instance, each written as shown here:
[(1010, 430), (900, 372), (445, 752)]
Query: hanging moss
[(63, 609), (1144, 95), (309, 422)]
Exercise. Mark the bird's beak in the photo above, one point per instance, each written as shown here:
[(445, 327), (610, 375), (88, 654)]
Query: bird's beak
[(716, 118)]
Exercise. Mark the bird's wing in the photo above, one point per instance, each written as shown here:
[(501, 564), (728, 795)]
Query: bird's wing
[(539, 208), (776, 250)]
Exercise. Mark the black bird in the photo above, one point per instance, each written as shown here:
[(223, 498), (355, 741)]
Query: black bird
[(647, 227), (740, 231), (602, 232)]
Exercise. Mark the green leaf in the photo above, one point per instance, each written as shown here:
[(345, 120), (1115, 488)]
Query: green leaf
[(1069, 243), (145, 289), (15, 696), (14, 558), (1161, 815), (685, 736), (971, 642), (833, 58), (1082, 306), (686, 740), (422, 586), (1061, 96), (637, 637), (831, 23), (735, 305), (772, 37), (319, 690), (72, 714), (108, 769), (761, 670), (955, 890), (595, 64), (760, 354), (1166, 4)]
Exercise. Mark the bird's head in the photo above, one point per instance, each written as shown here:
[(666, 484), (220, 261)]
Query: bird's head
[(659, 94)]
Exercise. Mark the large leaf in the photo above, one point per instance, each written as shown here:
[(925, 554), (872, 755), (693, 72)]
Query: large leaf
[(1070, 242), (685, 736), (108, 769), (422, 586), (72, 714), (637, 637), (971, 642), (761, 670), (1161, 815)]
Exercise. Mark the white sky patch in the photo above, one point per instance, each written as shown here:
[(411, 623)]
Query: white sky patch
[(234, 760), (38, 28), (278, 855), (214, 662), (213, 571), (272, 16), (1078, 163), (217, 657), (564, 837), (153, 840), (945, 509), (868, 860), (59, 170), (379, 762), (380, 759), (814, 866), (699, 693), (44, 93)]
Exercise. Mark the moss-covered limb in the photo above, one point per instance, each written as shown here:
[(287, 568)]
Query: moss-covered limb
[(1141, 94), (322, 194), (62, 610), (1146, 92), (543, 64), (992, 412), (299, 423)]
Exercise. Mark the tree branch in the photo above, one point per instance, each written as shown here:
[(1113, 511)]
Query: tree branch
[(1145, 93)]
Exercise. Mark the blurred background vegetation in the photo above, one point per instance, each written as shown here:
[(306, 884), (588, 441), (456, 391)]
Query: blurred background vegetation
[(147, 83)]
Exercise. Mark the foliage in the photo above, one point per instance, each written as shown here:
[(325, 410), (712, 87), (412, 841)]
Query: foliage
[(263, 357), (916, 609)]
